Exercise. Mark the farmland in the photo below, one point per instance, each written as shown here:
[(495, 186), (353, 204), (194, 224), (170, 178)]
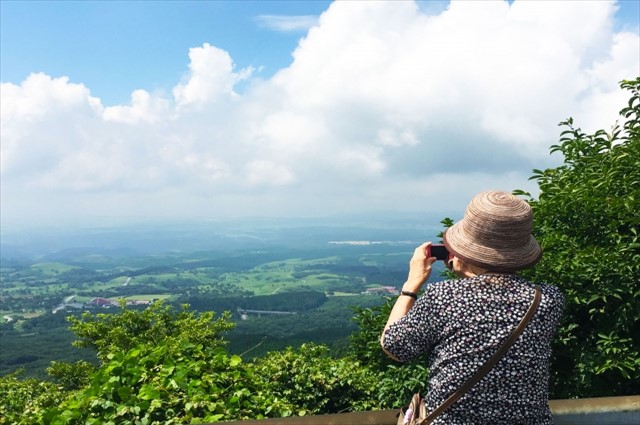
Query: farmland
[(318, 281)]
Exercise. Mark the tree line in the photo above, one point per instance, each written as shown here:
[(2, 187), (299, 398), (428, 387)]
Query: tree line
[(295, 301)]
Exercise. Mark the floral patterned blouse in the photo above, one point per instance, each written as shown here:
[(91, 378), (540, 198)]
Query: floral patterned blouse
[(462, 323)]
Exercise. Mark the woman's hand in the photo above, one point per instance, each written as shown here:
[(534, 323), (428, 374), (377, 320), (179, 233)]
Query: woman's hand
[(419, 268)]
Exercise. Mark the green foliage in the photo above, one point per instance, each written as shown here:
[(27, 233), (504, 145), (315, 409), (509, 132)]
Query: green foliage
[(298, 301), (112, 333), (397, 382), (21, 400), (169, 378), (365, 342), (331, 325), (315, 383), (176, 382), (71, 376), (587, 221), (31, 344)]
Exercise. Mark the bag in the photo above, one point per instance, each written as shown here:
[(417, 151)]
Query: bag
[(415, 413)]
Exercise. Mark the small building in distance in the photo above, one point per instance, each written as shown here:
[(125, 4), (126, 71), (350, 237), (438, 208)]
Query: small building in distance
[(139, 302), (101, 302), (382, 290)]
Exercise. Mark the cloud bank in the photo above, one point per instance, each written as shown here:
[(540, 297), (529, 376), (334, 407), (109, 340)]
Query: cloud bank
[(385, 107)]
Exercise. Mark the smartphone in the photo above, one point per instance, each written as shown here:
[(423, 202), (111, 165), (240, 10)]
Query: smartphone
[(439, 251)]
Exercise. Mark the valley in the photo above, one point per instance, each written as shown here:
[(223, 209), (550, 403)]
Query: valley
[(317, 274)]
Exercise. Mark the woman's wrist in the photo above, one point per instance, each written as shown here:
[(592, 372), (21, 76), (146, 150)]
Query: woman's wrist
[(410, 294)]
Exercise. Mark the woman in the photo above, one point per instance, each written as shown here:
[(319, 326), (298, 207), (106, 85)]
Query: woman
[(463, 322)]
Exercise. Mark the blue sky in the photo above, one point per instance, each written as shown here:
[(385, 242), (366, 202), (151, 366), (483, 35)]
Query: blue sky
[(137, 110), (115, 47)]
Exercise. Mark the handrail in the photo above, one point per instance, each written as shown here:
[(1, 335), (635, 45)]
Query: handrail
[(624, 410)]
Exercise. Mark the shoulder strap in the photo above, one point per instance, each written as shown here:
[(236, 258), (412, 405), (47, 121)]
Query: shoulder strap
[(491, 362)]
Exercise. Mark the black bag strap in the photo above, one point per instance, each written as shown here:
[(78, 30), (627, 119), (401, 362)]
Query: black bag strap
[(491, 362)]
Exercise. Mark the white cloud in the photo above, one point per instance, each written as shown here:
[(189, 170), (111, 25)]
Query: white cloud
[(287, 23), (387, 106), (395, 137), (144, 107), (210, 78), (290, 133), (38, 118), (41, 94), (267, 173)]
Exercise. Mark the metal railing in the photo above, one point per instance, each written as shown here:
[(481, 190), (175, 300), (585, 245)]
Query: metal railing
[(587, 411)]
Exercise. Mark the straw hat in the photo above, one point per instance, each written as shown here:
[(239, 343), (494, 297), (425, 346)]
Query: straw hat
[(495, 233)]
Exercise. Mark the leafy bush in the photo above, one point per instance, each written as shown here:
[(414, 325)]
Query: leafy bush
[(72, 376), (118, 332), (176, 382), (158, 366), (587, 221), (396, 382), (22, 400), (314, 383)]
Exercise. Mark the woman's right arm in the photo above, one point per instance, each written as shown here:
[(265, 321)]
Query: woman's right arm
[(419, 272)]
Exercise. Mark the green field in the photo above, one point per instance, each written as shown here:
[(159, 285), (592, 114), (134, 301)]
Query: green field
[(30, 292)]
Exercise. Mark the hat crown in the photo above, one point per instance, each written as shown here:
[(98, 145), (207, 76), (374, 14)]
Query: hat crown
[(498, 219)]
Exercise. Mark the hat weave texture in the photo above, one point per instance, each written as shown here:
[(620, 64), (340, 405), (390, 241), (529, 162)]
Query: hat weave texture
[(495, 233)]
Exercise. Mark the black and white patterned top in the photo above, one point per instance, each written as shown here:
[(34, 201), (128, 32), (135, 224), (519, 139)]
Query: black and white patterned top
[(462, 323)]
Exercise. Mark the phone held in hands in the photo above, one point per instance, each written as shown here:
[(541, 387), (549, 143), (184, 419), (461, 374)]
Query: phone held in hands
[(439, 251)]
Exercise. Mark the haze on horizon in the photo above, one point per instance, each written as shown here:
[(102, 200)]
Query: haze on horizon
[(381, 107)]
